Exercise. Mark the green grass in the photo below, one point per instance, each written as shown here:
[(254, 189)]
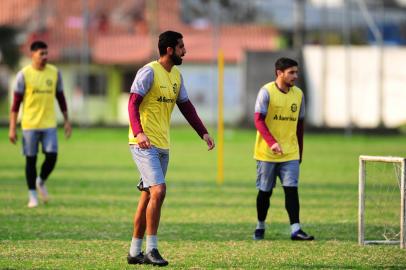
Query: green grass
[(88, 223)]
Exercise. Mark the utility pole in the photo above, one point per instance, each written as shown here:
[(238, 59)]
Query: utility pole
[(299, 28), (347, 25), (153, 23), (85, 55)]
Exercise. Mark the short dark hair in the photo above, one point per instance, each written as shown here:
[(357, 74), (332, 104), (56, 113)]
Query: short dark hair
[(38, 44), (168, 39), (285, 63)]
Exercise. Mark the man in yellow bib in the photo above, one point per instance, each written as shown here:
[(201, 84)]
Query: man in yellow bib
[(157, 87), (279, 114), (37, 86)]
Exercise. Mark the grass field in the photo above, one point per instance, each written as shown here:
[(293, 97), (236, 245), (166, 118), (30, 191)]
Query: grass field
[(88, 223)]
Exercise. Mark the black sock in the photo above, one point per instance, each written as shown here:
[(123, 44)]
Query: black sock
[(48, 165), (263, 199), (31, 171), (292, 204)]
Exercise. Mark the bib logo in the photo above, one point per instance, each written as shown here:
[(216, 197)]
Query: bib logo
[(49, 82), (39, 91), (175, 86), (284, 118), (165, 99), (293, 108)]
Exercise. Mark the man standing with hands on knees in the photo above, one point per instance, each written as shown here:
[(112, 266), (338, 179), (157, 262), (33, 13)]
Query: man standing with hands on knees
[(154, 92), (279, 115)]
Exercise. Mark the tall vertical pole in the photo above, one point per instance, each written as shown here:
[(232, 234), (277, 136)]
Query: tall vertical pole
[(84, 57), (403, 205), (361, 201), (220, 120), (324, 63), (381, 74), (299, 16), (378, 35), (347, 51), (153, 22)]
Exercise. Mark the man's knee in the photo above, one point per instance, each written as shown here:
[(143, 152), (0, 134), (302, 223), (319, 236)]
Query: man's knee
[(51, 157), (265, 194), (158, 192), (31, 160)]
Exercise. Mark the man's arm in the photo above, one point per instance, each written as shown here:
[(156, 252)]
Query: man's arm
[(300, 128), (261, 109), (259, 120), (12, 133), (15, 107), (189, 112), (140, 87), (134, 104), (299, 134), (62, 105)]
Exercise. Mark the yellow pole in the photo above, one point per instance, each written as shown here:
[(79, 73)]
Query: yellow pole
[(220, 119)]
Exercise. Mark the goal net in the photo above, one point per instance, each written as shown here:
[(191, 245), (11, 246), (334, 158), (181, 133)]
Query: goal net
[(381, 213)]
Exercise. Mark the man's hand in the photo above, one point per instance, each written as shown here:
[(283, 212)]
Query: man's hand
[(143, 141), (12, 131), (68, 129), (12, 135), (209, 140), (276, 149)]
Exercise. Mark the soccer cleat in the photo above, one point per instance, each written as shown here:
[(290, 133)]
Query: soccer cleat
[(32, 201), (301, 236), (259, 234), (139, 259), (43, 192), (153, 257)]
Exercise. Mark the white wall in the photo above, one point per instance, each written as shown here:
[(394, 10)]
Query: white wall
[(343, 86)]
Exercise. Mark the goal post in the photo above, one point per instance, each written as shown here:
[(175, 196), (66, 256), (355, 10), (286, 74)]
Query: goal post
[(400, 168)]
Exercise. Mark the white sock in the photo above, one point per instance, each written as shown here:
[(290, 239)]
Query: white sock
[(260, 225), (136, 245), (152, 242), (32, 193), (39, 180), (295, 227)]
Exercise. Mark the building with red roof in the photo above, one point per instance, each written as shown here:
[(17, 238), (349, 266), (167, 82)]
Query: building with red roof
[(99, 45)]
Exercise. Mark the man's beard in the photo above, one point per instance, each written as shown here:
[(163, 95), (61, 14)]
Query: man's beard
[(176, 60), (289, 84)]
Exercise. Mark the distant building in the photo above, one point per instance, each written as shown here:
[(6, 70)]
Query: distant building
[(100, 47)]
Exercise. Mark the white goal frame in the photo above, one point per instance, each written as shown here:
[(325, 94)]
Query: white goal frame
[(361, 206)]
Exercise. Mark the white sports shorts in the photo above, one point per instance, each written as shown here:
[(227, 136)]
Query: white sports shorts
[(32, 137), (152, 164), (288, 173)]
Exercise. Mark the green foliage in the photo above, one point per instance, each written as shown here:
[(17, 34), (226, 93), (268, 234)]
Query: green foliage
[(88, 222)]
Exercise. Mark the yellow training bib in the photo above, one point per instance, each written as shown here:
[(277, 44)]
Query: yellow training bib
[(39, 97), (281, 120), (157, 106)]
